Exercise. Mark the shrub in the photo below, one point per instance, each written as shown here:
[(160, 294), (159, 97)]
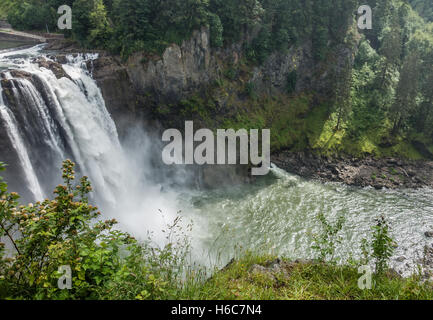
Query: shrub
[(216, 30), (66, 231), (382, 245), (380, 248), (326, 241)]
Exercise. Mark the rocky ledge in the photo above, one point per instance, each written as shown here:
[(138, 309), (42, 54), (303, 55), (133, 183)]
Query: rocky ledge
[(387, 173)]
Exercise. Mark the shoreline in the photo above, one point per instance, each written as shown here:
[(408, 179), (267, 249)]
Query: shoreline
[(379, 173), (389, 173)]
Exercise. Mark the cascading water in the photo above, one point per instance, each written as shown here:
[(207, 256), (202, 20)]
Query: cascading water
[(66, 117), (15, 137), (75, 107), (48, 119)]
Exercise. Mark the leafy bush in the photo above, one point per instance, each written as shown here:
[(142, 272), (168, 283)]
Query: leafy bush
[(381, 247), (250, 90), (326, 241), (105, 262), (216, 30)]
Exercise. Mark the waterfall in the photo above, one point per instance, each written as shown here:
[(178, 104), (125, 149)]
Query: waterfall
[(16, 139), (52, 115), (50, 119)]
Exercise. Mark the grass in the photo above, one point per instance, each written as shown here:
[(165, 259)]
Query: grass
[(305, 281), (296, 123)]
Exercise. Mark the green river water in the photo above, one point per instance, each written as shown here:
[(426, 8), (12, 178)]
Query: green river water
[(277, 214)]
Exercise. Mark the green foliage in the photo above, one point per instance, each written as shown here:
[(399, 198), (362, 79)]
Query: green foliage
[(216, 30), (105, 262), (381, 248), (237, 16), (326, 241), (424, 8), (304, 281), (292, 78), (382, 245), (377, 105), (261, 46), (127, 26), (90, 22), (109, 264), (231, 73), (250, 90), (50, 234)]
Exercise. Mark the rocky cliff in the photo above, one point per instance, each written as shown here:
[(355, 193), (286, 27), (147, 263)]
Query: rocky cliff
[(157, 85)]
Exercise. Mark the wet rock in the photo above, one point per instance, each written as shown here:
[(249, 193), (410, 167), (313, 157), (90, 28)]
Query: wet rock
[(429, 234), (378, 173), (55, 67), (428, 256), (61, 59), (393, 274), (272, 269), (118, 91), (21, 74), (64, 45), (400, 259)]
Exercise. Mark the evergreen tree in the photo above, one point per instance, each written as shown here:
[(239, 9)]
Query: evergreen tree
[(407, 91)]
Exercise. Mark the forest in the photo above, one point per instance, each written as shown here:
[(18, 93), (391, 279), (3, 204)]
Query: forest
[(390, 84), (379, 104)]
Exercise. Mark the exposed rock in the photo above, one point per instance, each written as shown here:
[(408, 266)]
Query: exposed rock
[(393, 274), (65, 45), (181, 69), (427, 263), (117, 89), (428, 256), (55, 67), (191, 67), (377, 173), (146, 83), (272, 269), (429, 234), (400, 259), (20, 74)]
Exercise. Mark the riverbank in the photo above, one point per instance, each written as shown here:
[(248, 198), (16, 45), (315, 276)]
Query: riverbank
[(268, 278), (390, 173), (19, 36)]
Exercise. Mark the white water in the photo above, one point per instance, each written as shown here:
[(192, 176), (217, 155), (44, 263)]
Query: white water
[(276, 214), (78, 108), (18, 144)]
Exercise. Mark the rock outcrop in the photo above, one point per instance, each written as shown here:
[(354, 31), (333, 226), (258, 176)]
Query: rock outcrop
[(181, 70), (188, 68), (117, 89), (387, 173)]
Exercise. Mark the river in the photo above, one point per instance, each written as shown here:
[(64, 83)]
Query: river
[(67, 117)]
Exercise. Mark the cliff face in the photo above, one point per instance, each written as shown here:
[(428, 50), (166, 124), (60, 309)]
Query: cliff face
[(143, 84), (117, 89), (184, 69), (180, 71)]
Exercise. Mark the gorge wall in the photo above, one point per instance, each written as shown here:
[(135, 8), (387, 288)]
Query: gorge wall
[(150, 85)]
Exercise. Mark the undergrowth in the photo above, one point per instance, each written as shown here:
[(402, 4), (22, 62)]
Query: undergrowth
[(39, 240)]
